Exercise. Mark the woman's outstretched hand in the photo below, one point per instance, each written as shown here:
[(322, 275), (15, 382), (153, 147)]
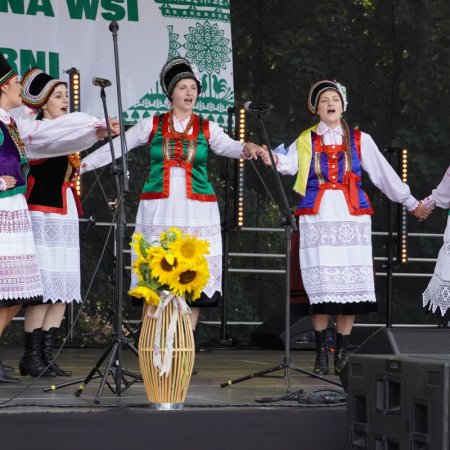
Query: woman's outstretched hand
[(252, 151), (422, 212), (102, 132), (115, 126), (266, 157)]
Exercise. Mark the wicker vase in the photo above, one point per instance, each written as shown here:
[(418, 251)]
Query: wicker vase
[(166, 389)]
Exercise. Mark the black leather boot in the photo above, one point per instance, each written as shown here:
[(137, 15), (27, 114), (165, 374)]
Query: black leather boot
[(31, 362), (321, 364), (6, 367), (5, 377), (340, 352), (48, 338)]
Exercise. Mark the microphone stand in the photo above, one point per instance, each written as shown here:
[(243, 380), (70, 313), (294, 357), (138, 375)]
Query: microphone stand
[(391, 151), (114, 348), (224, 338), (289, 227)]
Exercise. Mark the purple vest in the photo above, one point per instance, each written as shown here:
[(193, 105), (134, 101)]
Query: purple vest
[(11, 163)]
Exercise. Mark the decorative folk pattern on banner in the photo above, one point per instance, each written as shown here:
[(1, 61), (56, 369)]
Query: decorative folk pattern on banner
[(200, 31), (149, 32)]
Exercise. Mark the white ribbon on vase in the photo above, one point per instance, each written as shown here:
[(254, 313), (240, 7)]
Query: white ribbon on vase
[(180, 307)]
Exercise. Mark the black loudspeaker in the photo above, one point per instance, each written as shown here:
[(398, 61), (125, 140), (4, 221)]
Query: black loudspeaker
[(406, 340), (398, 402), (271, 334)]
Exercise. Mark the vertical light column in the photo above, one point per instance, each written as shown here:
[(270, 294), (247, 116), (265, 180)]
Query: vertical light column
[(74, 104), (240, 178), (402, 256)]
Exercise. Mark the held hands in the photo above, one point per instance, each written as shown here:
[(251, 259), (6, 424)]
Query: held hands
[(252, 151), (422, 211), (266, 157), (102, 132), (115, 126)]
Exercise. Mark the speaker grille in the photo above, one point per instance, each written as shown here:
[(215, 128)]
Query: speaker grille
[(429, 341)]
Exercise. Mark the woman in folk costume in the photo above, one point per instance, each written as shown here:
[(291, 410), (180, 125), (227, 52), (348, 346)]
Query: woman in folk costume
[(177, 191), (54, 207), (20, 278), (436, 297), (334, 216)]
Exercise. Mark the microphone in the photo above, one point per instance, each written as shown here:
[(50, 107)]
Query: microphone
[(101, 82), (256, 107), (113, 26)]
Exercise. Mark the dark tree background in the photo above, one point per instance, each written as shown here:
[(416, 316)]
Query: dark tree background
[(394, 59)]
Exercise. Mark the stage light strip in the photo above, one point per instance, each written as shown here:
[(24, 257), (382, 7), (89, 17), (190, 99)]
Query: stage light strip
[(241, 172), (74, 89), (403, 212), (74, 104)]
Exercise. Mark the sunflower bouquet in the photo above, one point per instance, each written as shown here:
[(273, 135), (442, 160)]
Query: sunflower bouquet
[(176, 263)]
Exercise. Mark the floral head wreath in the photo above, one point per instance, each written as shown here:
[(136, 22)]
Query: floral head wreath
[(324, 85), (175, 70)]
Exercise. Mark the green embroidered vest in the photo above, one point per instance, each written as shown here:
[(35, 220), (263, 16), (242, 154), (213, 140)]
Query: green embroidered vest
[(169, 150)]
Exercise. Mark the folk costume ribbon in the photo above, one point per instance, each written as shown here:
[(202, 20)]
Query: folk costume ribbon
[(304, 151), (164, 364)]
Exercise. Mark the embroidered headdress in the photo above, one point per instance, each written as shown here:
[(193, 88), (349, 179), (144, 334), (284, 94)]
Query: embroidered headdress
[(322, 86), (175, 70), (37, 87), (6, 71)]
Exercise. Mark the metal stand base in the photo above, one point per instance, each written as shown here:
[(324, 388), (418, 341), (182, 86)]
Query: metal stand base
[(113, 369), (285, 366)]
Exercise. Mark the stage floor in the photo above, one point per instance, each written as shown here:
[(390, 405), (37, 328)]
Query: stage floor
[(214, 366), (213, 417)]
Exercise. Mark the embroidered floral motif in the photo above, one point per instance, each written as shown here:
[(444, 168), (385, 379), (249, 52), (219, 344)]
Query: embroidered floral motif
[(335, 234), (55, 233), (15, 136)]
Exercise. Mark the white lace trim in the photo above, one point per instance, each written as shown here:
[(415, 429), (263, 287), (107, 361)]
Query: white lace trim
[(19, 277), (437, 295), (62, 286), (346, 284)]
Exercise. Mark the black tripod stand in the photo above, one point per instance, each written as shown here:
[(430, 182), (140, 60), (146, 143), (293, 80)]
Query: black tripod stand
[(289, 226), (113, 351)]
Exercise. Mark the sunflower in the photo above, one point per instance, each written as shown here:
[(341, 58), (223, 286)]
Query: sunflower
[(159, 263), (187, 280), (140, 267), (149, 295), (139, 244), (170, 235), (190, 250)]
